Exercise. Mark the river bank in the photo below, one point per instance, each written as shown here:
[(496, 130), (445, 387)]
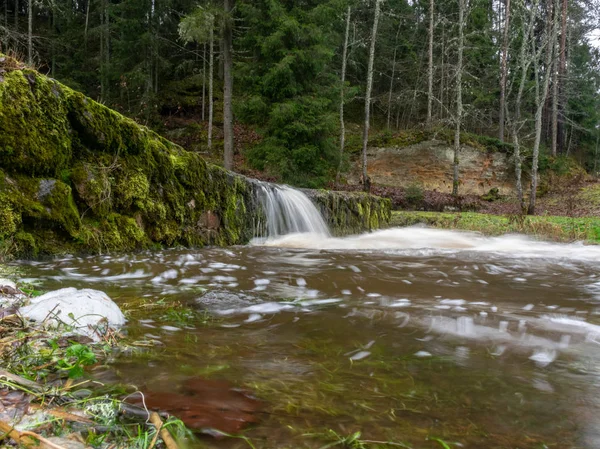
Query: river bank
[(555, 228)]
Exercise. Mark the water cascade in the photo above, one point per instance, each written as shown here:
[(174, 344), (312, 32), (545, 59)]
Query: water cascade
[(288, 211)]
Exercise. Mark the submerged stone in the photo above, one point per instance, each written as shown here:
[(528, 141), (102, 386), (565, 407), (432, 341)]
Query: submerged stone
[(205, 404), (84, 312)]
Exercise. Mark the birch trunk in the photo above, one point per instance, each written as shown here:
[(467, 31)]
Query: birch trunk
[(87, 21), (389, 114), (227, 34), (524, 63), (554, 130), (342, 92), (459, 105), (210, 84), (503, 72), (365, 176), (562, 75), (541, 100), (430, 64), (203, 81), (30, 33)]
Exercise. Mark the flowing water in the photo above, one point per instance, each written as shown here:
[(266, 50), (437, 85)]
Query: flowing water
[(407, 335)]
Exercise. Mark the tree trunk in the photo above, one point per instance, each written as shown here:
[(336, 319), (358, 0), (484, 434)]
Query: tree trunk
[(102, 80), (30, 33), (442, 115), (342, 92), (503, 71), (524, 63), (554, 129), (596, 156), (203, 81), (459, 105), (227, 37), (541, 100), (53, 44), (389, 113), (107, 46), (87, 21), (210, 84), (429, 64), (562, 75), (365, 176)]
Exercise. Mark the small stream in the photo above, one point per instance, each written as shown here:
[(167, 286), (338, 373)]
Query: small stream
[(406, 335)]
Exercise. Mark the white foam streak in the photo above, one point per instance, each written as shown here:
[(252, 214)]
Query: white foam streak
[(413, 240)]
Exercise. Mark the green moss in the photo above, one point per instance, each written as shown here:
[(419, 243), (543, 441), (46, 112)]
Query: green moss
[(35, 137), (564, 229), (9, 219)]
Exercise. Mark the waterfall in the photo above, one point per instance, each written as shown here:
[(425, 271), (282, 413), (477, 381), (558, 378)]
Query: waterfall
[(288, 211)]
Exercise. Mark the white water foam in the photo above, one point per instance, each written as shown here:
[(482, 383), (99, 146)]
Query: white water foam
[(414, 239)]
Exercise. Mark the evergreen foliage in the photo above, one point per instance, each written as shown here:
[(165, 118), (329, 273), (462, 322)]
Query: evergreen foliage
[(147, 59)]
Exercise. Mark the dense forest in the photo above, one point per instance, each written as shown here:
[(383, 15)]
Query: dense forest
[(292, 72)]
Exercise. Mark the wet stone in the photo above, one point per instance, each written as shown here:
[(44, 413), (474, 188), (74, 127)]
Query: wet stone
[(215, 301), (204, 404)]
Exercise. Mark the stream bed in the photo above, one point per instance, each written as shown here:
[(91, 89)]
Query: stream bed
[(411, 336)]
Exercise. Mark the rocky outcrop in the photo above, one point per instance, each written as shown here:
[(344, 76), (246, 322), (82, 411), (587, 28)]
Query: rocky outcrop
[(429, 165), (76, 176)]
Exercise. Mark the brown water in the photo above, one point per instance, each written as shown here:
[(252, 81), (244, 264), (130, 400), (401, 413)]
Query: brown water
[(404, 335)]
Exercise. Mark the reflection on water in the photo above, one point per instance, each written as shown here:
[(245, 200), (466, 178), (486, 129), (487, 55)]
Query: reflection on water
[(404, 334)]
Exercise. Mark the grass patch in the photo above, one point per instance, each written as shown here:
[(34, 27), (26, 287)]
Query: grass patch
[(560, 229)]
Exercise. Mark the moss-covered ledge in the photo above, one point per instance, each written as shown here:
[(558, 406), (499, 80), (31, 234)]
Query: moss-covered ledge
[(351, 212), (78, 177)]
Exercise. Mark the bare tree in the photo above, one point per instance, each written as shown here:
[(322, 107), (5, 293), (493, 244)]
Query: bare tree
[(227, 38), (391, 91), (554, 125), (342, 92), (562, 73), (30, 32), (524, 62), (429, 63), (203, 79), (541, 96), (459, 104), (366, 179), (503, 71), (210, 80)]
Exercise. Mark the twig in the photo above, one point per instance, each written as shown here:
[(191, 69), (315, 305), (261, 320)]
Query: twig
[(164, 433), (29, 384), (26, 438)]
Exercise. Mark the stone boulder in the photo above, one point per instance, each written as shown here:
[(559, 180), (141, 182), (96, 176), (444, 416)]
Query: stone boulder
[(83, 312)]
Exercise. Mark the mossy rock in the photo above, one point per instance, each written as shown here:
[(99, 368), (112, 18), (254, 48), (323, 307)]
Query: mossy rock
[(77, 177)]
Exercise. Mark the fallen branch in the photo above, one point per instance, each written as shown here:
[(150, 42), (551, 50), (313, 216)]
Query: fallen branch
[(164, 433), (26, 438), (26, 383)]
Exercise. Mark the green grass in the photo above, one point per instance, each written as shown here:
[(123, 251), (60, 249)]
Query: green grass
[(561, 229)]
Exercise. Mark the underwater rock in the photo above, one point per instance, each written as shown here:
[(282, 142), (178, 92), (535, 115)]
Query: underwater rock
[(216, 301), (204, 404), (84, 312)]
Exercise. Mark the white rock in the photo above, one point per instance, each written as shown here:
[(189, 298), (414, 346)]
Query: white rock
[(79, 311), (8, 283)]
